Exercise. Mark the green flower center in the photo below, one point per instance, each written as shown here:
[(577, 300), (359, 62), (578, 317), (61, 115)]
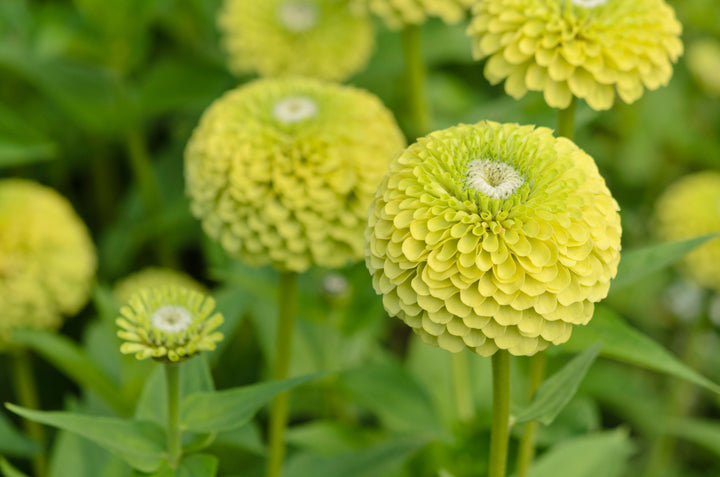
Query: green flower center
[(588, 3), (298, 16), (496, 180), (295, 108), (171, 319)]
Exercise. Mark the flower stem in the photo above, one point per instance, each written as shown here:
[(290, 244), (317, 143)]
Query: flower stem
[(463, 392), (27, 395), (566, 120), (174, 434), (526, 452), (279, 409), (500, 431), (416, 74)]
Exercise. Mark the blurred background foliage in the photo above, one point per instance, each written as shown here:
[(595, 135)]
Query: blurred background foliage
[(98, 98)]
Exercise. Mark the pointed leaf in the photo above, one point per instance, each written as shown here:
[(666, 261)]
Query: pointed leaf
[(625, 343), (141, 444), (703, 432), (226, 410), (12, 442), (557, 391), (637, 263), (20, 143)]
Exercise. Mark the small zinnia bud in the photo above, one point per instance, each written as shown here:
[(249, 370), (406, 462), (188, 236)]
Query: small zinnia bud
[(316, 38), (169, 324), (590, 49), (689, 208), (704, 62), (282, 171), (399, 13), (154, 277), (47, 258), (493, 236)]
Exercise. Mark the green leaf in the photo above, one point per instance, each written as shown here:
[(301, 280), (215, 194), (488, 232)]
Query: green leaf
[(197, 465), (140, 443), (637, 263), (372, 462), (392, 393), (557, 391), (85, 458), (246, 437), (603, 454), (625, 343), (329, 437), (705, 433), (12, 442), (69, 358), (232, 408), (20, 143), (8, 470)]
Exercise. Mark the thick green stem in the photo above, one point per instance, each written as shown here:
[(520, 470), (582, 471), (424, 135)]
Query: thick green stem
[(461, 381), (526, 452), (566, 120), (500, 431), (279, 410), (27, 395), (174, 434), (416, 80)]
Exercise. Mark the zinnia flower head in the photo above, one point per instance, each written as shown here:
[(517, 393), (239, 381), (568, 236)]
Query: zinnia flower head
[(493, 236), (704, 62), (47, 258), (316, 38), (169, 324), (282, 171), (584, 48), (154, 277), (398, 13), (689, 208)]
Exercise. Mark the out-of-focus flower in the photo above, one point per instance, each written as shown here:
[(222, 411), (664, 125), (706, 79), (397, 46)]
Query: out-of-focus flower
[(493, 236), (704, 61), (169, 324), (398, 13), (584, 48), (689, 208), (47, 258), (154, 277), (282, 171), (317, 38)]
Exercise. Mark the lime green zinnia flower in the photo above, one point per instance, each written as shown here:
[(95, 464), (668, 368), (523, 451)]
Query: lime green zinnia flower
[(398, 13), (169, 324), (493, 236), (690, 208), (704, 63), (317, 38), (153, 277), (585, 48), (47, 259), (282, 171)]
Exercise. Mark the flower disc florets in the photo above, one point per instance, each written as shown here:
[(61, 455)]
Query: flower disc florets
[(282, 171), (513, 267), (317, 38), (689, 208), (399, 13), (584, 48), (169, 324), (47, 258)]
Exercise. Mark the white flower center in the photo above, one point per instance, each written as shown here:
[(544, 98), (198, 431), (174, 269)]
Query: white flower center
[(588, 3), (171, 319), (294, 109), (297, 16), (494, 179)]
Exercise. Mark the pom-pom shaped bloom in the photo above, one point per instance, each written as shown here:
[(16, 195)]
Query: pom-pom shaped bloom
[(282, 171), (154, 277), (493, 236), (169, 324), (47, 258), (399, 13), (317, 38), (704, 62), (585, 48), (689, 208)]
